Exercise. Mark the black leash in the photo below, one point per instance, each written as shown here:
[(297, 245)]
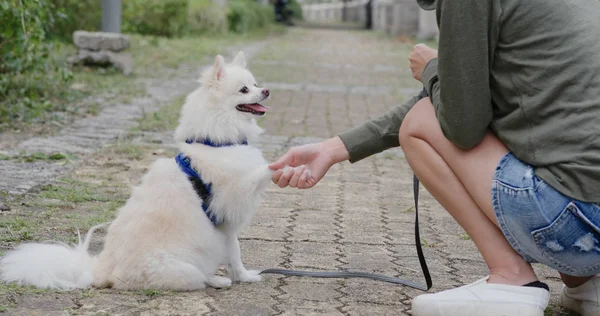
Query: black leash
[(377, 277)]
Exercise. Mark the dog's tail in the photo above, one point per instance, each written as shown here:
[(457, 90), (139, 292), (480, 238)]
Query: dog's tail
[(52, 266)]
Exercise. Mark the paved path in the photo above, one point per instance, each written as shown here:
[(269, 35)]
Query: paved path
[(358, 218)]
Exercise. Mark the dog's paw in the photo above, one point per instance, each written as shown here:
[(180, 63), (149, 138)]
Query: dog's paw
[(249, 276), (218, 282), (266, 172)]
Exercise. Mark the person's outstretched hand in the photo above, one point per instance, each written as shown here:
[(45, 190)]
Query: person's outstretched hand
[(304, 166)]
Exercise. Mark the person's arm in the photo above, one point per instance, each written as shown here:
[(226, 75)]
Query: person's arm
[(377, 135), (458, 81)]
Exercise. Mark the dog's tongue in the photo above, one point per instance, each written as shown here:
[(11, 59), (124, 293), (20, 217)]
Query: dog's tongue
[(258, 107)]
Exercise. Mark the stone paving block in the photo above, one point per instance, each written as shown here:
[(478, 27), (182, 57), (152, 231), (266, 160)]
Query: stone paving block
[(265, 214), (245, 298), (315, 255), (310, 308), (180, 305), (314, 225), (258, 254), (269, 229), (306, 291), (311, 202), (363, 290), (368, 258), (366, 309), (364, 230)]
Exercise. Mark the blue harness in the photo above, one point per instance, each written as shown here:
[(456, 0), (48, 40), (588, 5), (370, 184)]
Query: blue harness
[(204, 190)]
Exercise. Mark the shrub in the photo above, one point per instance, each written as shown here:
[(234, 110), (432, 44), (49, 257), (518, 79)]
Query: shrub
[(155, 17), (29, 76), (148, 17), (204, 16), (23, 32), (78, 15), (296, 9), (247, 15)]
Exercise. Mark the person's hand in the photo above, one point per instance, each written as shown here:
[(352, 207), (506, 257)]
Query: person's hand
[(419, 57), (304, 166)]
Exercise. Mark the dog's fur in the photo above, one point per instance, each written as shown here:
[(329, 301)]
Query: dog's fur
[(161, 238)]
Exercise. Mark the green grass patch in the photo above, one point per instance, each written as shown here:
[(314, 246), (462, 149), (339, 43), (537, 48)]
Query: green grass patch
[(162, 120), (37, 156), (12, 288), (72, 194), (128, 150), (17, 230), (154, 293)]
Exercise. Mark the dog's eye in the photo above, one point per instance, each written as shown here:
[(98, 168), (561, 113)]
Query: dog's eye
[(256, 85), (244, 90)]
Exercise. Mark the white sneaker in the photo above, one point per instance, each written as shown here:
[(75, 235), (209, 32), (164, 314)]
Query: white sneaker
[(483, 299), (584, 299)]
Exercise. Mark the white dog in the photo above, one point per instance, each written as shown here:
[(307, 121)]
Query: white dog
[(175, 230)]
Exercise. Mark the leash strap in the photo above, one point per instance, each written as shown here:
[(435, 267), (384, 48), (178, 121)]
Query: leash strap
[(377, 277)]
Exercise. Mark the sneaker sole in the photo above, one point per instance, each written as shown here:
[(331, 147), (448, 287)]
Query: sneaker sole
[(489, 309)]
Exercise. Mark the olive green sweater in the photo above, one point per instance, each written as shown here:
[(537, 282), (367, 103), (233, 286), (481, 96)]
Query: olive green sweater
[(527, 69)]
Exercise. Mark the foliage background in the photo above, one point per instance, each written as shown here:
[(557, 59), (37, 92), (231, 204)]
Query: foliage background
[(36, 37)]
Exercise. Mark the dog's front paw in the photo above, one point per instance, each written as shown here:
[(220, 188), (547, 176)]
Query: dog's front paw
[(218, 282), (266, 172), (248, 276)]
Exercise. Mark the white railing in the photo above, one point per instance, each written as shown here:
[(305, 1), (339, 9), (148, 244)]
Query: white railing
[(396, 17), (334, 12)]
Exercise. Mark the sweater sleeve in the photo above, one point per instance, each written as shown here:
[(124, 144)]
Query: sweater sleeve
[(378, 134), (458, 82)]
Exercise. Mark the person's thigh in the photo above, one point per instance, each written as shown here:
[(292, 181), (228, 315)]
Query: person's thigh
[(475, 168)]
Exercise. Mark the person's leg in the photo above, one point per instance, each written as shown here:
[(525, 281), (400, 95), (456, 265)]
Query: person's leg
[(573, 281), (461, 182)]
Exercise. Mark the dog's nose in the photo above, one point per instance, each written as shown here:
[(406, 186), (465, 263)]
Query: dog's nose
[(266, 92)]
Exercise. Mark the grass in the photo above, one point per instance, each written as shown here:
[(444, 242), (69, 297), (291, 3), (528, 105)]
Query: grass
[(162, 120), (12, 288), (154, 293), (37, 156), (72, 193), (128, 149), (18, 229)]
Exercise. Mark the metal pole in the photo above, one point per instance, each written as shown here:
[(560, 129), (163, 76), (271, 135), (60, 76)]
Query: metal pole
[(344, 11), (111, 16)]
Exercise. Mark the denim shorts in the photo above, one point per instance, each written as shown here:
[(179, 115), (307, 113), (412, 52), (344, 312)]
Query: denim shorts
[(543, 225)]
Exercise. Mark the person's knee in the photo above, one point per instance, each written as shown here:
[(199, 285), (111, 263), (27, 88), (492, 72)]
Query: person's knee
[(415, 122)]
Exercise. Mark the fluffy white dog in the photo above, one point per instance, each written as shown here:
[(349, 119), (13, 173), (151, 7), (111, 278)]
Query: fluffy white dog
[(182, 222)]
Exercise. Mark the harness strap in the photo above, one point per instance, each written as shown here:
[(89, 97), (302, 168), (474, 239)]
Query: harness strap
[(203, 190)]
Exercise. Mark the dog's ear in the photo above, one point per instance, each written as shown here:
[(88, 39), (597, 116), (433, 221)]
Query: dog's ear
[(219, 68), (240, 60)]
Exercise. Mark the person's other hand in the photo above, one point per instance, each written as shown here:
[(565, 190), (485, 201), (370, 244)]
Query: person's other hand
[(419, 57)]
